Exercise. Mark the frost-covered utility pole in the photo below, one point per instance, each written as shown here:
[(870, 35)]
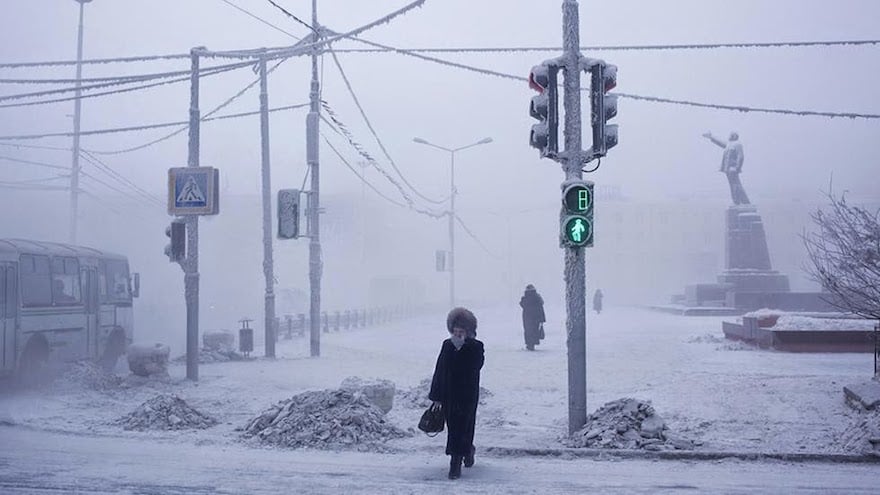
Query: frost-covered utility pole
[(191, 264), (575, 266), (77, 108), (315, 262), (268, 268)]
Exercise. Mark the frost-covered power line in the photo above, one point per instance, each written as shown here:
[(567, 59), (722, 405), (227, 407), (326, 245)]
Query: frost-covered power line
[(290, 15), (260, 19), (688, 46), (376, 135), (122, 78)]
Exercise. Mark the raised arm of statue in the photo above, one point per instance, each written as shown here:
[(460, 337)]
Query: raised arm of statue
[(716, 141)]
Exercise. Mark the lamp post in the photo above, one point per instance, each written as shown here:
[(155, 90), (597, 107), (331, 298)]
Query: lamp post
[(451, 215)]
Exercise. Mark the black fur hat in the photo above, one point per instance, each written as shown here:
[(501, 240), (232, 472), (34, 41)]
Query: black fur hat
[(462, 318)]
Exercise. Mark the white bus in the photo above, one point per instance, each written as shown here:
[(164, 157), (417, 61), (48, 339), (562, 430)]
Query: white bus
[(61, 303)]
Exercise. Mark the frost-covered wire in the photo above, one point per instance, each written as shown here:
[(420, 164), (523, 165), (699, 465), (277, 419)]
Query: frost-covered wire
[(340, 128), (94, 95), (302, 48), (123, 79), (185, 126), (289, 14), (654, 99), (38, 181), (32, 187), (689, 46), (473, 236), (129, 129), (360, 176), (260, 19), (31, 162), (120, 178), (95, 61), (376, 135), (742, 108)]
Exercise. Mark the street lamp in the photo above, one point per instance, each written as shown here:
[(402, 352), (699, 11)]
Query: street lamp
[(451, 215)]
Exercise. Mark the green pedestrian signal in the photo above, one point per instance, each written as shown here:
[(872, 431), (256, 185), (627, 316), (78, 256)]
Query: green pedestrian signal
[(578, 231)]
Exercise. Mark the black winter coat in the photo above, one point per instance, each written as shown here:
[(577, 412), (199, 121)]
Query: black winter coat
[(457, 373), (532, 315)]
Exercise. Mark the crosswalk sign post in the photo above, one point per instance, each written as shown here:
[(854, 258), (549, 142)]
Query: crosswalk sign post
[(193, 191)]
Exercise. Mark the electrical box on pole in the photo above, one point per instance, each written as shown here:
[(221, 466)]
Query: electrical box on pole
[(176, 248), (576, 226), (604, 107), (288, 213), (545, 108)]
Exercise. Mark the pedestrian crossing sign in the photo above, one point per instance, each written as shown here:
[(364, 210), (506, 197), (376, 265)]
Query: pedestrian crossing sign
[(193, 191)]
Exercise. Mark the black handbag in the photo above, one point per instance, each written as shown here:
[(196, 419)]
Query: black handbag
[(541, 335), (432, 421)]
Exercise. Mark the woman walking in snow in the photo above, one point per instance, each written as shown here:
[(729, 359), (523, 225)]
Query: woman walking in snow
[(455, 387), (597, 301), (532, 305)]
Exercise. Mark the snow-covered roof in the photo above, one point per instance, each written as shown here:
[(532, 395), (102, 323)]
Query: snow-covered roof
[(18, 246)]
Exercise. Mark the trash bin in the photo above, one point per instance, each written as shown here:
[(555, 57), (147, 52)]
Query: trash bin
[(245, 338)]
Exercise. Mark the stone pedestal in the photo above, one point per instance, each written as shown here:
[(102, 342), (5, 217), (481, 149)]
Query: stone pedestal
[(746, 256)]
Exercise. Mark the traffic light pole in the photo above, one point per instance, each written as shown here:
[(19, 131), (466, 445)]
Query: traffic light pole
[(315, 263), (575, 265), (191, 264), (268, 262)]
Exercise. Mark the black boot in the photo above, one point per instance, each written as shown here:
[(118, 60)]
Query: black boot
[(455, 467), (469, 458)]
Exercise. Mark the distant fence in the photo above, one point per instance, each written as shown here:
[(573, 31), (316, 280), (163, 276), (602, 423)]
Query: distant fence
[(334, 321)]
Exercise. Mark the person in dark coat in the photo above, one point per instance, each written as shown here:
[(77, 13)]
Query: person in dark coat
[(532, 305), (597, 301), (455, 387)]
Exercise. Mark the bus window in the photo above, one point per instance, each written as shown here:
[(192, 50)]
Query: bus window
[(36, 282), (11, 295), (116, 279), (65, 281)]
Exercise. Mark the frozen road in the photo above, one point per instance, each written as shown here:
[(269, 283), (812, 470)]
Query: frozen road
[(43, 462)]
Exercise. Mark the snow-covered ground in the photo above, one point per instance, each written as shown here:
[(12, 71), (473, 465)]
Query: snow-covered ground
[(729, 398)]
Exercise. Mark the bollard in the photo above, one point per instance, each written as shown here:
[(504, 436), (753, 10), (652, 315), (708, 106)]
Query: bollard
[(336, 321), (288, 319), (324, 322), (301, 326), (245, 337), (347, 319)]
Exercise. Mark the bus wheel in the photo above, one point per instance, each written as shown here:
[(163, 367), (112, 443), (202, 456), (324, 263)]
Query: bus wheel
[(115, 348), (32, 366)]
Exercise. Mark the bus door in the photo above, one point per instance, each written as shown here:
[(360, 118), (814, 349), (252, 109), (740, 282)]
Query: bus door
[(8, 315), (90, 302)]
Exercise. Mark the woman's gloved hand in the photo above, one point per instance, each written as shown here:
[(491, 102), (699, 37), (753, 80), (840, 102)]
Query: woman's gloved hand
[(436, 406)]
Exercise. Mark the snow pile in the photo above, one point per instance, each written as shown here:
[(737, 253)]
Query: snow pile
[(863, 434), (627, 424), (89, 375), (166, 412), (208, 356), (380, 392), (796, 322), (417, 397), (325, 419), (706, 339)]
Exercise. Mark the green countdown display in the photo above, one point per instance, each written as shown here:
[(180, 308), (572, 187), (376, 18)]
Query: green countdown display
[(578, 231), (578, 199)]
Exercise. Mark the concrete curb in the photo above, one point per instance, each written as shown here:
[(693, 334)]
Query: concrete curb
[(681, 455)]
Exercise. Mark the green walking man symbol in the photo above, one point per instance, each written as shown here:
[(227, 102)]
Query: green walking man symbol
[(577, 230)]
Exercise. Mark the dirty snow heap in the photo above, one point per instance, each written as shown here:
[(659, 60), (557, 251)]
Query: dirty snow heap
[(166, 412), (627, 424), (325, 419)]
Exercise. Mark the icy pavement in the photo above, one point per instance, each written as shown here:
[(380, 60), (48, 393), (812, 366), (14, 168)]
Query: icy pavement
[(100, 465), (754, 401)]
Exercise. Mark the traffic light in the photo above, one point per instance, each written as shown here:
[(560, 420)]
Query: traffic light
[(576, 229), (288, 213), (545, 108), (604, 107), (176, 232)]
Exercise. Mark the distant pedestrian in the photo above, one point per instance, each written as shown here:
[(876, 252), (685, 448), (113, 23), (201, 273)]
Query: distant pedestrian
[(455, 387), (597, 301), (533, 318)]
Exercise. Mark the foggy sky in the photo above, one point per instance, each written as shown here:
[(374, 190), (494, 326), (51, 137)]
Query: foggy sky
[(661, 153)]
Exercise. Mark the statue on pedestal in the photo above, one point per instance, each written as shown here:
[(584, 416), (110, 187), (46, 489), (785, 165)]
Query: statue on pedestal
[(731, 165)]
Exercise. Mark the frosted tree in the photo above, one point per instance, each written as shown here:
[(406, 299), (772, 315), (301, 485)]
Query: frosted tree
[(844, 254)]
